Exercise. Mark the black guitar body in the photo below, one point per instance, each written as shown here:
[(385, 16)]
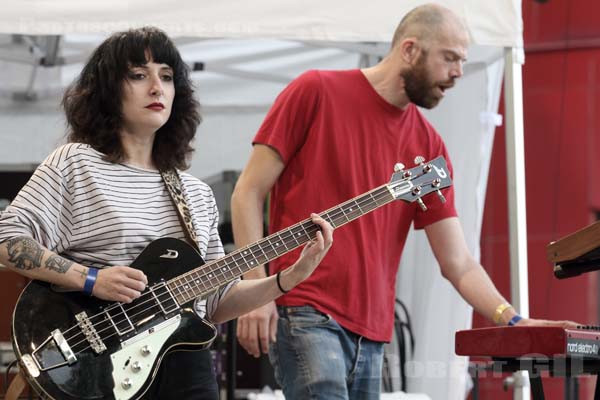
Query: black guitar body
[(124, 331)]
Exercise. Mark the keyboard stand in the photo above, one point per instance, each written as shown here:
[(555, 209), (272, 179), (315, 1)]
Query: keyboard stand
[(569, 367)]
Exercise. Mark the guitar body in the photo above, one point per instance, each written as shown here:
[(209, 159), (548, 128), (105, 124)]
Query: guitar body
[(135, 338)]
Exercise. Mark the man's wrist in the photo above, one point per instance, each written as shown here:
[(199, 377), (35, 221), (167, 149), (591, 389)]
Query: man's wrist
[(503, 313), (507, 316)]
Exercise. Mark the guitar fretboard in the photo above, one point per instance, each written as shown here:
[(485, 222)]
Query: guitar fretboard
[(208, 277)]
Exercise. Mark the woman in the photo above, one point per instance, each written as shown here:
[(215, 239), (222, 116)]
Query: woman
[(99, 200)]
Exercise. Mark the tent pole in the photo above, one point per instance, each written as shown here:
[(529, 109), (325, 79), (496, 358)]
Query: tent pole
[(515, 165)]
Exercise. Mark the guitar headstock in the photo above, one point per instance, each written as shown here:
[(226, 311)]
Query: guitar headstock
[(414, 183)]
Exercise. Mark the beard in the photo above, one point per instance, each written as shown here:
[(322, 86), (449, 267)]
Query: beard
[(418, 85)]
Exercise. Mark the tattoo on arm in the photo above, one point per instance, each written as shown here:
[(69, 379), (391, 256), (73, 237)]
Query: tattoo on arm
[(81, 272), (25, 253), (58, 264)]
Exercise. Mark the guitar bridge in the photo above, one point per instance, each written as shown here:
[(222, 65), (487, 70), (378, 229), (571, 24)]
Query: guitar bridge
[(90, 333), (54, 352)]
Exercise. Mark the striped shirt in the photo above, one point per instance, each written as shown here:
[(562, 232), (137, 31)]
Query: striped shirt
[(99, 213)]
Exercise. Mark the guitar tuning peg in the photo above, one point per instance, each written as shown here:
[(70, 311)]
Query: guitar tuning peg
[(419, 160), (398, 167), (441, 196), (422, 204)]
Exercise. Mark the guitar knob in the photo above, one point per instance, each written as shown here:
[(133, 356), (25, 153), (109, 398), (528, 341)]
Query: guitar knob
[(398, 167), (136, 366), (126, 384), (146, 350), (419, 160), (422, 204)]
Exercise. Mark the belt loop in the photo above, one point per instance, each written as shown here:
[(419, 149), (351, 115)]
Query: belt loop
[(283, 311)]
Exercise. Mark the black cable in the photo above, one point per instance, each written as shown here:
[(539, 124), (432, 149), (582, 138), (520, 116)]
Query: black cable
[(403, 327)]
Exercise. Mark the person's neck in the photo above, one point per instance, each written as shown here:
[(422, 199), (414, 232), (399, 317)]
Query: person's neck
[(386, 81), (137, 150)]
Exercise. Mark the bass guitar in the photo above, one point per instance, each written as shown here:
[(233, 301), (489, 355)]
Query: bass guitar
[(74, 347)]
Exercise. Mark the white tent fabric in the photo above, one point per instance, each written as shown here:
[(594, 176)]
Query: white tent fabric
[(495, 23), (235, 105)]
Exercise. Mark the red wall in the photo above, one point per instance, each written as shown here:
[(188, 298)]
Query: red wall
[(562, 142)]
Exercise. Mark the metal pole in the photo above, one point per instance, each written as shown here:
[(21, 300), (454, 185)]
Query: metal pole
[(515, 165)]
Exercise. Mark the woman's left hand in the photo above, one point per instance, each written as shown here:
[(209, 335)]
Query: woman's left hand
[(312, 254)]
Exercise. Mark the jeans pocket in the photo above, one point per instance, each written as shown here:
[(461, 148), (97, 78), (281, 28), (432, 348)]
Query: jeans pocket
[(306, 317)]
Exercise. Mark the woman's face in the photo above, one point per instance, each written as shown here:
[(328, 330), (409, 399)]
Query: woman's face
[(148, 93)]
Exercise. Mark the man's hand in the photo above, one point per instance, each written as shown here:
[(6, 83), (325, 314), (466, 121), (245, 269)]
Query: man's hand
[(544, 322), (257, 329), (122, 284)]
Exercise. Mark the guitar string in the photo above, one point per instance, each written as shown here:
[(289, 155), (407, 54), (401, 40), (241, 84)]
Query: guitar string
[(108, 325), (341, 214), (289, 230), (287, 234), (339, 210)]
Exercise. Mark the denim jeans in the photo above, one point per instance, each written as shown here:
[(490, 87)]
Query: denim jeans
[(316, 358)]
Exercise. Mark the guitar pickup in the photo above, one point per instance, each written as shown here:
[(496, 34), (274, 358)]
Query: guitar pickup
[(164, 298)]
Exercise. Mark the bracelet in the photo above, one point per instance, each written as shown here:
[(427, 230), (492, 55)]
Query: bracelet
[(500, 310), (513, 321), (90, 280), (279, 283)]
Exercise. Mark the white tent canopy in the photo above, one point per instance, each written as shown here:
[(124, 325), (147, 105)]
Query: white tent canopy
[(241, 78), (496, 23)]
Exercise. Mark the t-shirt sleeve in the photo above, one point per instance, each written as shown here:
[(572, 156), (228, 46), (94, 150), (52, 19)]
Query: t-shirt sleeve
[(40, 210), (436, 209), (287, 122)]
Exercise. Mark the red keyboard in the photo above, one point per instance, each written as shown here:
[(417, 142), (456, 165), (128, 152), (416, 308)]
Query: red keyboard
[(517, 341)]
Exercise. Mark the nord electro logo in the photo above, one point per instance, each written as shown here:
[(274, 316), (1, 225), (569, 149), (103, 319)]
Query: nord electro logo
[(582, 347)]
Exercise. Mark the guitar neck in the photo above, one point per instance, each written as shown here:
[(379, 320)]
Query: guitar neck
[(208, 277)]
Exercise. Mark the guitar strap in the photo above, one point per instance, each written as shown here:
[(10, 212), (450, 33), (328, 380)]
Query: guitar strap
[(17, 386), (173, 182)]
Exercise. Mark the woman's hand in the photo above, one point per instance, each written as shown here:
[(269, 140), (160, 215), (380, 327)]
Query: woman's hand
[(311, 255)]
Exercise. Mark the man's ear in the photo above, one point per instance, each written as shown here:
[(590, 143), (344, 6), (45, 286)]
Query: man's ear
[(409, 50)]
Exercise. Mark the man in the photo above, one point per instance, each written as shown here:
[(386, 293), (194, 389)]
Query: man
[(331, 136)]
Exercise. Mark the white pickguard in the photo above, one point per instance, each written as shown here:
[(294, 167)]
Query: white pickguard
[(132, 364)]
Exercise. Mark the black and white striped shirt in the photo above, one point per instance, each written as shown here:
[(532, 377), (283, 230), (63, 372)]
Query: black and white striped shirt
[(100, 214)]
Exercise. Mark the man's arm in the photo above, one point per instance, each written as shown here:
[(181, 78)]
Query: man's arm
[(257, 328), (27, 257), (448, 243)]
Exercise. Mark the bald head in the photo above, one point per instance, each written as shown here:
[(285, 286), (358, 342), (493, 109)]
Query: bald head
[(429, 23)]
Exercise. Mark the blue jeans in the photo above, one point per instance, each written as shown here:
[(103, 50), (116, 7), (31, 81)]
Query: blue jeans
[(315, 358)]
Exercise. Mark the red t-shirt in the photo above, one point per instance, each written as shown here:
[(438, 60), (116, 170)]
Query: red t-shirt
[(338, 139)]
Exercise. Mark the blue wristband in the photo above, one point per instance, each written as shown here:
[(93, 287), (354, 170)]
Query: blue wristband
[(513, 321), (90, 280)]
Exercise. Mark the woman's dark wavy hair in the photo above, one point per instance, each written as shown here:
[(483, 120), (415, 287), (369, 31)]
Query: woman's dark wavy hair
[(93, 102)]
